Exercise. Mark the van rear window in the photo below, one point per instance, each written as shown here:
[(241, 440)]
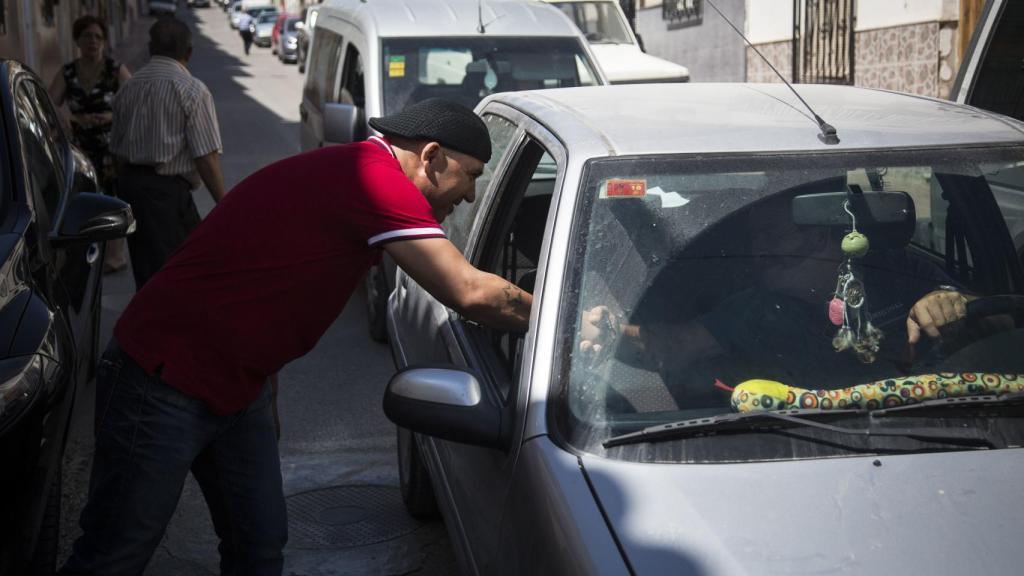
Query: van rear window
[(468, 69)]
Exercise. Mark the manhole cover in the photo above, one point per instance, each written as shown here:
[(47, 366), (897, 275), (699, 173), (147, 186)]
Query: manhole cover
[(347, 516)]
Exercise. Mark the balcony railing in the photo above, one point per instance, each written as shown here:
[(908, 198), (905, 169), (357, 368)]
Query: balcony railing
[(682, 13)]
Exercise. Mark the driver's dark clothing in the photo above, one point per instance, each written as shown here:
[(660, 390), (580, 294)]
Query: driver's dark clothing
[(769, 335)]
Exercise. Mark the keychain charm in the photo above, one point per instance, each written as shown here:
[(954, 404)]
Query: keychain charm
[(844, 310)]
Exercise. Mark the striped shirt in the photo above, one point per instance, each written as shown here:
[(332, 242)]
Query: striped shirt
[(165, 118)]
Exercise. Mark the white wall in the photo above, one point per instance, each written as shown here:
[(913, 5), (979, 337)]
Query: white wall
[(772, 20)]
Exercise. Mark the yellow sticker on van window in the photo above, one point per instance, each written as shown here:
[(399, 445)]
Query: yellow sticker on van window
[(396, 66)]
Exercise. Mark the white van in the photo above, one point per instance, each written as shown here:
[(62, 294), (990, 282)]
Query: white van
[(375, 58), (618, 50)]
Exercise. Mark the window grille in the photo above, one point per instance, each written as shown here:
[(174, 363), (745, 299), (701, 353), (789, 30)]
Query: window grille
[(682, 13)]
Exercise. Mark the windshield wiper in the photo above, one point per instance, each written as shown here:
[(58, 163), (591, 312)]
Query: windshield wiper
[(758, 420), (989, 400)]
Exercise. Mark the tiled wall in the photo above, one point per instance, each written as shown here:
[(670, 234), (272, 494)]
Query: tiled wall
[(916, 58), (904, 58)]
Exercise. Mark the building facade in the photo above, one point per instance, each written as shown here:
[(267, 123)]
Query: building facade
[(682, 31), (38, 32), (911, 46)]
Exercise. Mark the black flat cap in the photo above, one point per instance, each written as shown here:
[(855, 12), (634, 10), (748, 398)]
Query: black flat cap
[(448, 123)]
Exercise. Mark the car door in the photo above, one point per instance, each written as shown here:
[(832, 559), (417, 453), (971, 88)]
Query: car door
[(75, 288), (504, 238), (36, 353), (992, 73), (992, 78), (321, 82), (352, 88)]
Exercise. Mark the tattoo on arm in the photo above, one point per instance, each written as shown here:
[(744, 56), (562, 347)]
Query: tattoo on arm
[(513, 295)]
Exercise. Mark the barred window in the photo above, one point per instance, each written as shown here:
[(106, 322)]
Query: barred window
[(682, 13)]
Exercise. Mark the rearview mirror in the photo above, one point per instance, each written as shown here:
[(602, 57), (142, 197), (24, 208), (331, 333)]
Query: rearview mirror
[(446, 403), (826, 209), (887, 218), (92, 217)]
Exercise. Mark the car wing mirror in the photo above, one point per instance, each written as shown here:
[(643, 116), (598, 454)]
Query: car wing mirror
[(340, 123), (446, 403), (92, 217)]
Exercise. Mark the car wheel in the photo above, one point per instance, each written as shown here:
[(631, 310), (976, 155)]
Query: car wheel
[(377, 303), (414, 480), (44, 559)]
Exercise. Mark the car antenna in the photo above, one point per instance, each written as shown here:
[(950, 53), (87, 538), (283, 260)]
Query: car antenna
[(828, 131), (481, 27)]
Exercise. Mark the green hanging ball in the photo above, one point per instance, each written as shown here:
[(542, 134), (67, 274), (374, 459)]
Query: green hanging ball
[(855, 244)]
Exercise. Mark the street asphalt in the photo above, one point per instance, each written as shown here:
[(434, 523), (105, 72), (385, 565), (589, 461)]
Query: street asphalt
[(337, 448)]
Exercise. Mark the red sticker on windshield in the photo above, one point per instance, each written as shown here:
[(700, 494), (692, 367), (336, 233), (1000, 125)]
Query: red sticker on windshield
[(627, 188)]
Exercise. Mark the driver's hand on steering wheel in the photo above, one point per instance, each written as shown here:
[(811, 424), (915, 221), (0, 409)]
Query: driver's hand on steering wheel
[(933, 311)]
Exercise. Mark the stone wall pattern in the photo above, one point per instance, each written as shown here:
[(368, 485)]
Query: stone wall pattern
[(903, 58)]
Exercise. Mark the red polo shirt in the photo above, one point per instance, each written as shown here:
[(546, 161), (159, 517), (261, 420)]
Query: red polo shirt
[(258, 282)]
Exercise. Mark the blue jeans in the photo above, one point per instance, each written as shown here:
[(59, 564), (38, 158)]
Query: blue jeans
[(148, 436)]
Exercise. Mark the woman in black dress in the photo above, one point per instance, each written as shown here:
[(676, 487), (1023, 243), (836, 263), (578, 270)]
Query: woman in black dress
[(87, 85)]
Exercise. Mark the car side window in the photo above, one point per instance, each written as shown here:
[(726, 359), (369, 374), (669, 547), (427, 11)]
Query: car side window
[(42, 149), (513, 236), (460, 223), (352, 91), (323, 69)]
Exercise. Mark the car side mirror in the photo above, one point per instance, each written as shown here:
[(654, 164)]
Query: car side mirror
[(340, 123), (300, 25), (446, 403), (92, 217)]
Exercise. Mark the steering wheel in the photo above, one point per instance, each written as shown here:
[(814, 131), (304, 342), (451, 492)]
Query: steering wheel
[(962, 341)]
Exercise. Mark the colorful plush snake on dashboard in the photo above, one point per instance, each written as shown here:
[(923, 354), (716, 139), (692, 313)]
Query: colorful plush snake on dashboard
[(759, 395)]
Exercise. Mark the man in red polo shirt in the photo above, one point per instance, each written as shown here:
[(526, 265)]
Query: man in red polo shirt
[(184, 382)]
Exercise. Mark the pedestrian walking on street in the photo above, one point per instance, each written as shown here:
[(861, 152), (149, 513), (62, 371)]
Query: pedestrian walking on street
[(245, 30), (184, 382), (87, 85), (167, 141)]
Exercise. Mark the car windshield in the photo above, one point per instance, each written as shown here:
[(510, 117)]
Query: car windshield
[(468, 69), (707, 287), (600, 22), (292, 25), (267, 18)]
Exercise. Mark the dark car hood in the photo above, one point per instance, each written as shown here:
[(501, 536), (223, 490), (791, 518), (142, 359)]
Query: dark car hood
[(943, 513)]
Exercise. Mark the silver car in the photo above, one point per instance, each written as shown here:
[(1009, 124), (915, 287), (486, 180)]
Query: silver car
[(263, 27), (729, 368)]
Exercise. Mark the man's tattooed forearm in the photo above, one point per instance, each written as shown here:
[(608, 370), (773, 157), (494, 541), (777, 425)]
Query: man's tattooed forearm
[(513, 295)]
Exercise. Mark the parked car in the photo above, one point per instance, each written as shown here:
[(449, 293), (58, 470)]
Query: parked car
[(698, 229), (275, 33), (389, 54), (304, 38), (251, 7), (52, 236), (163, 7), (618, 50), (263, 27), (288, 50)]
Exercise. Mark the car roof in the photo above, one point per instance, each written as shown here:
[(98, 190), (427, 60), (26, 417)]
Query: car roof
[(390, 18), (737, 117)]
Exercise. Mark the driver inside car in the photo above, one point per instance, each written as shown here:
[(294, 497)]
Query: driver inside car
[(778, 325)]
